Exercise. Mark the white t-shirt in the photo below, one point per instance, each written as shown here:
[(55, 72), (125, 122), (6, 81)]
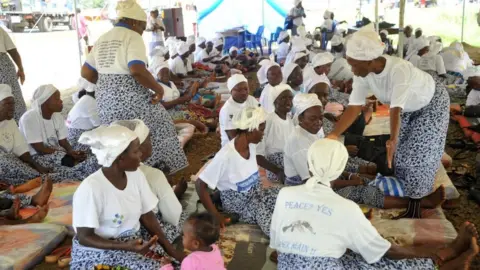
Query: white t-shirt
[(473, 98), (115, 51), (230, 171), (294, 12), (11, 140), (400, 84), (6, 43), (320, 223), (198, 55), (282, 50), (295, 153), (113, 213), (340, 70), (328, 24), (204, 55), (229, 109), (170, 92), (266, 100), (36, 129), (84, 114), (168, 203), (275, 135), (178, 66), (429, 63), (158, 34)]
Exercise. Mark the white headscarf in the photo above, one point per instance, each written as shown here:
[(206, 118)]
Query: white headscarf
[(298, 45), (158, 65), (454, 60), (217, 42), (42, 94), (336, 40), (234, 80), (283, 35), (321, 59), (287, 70), (418, 44), (107, 143), (137, 126), (314, 80), (200, 41), (298, 56), (84, 84), (418, 29), (296, 2), (435, 48), (190, 40), (302, 33), (473, 71), (302, 102), (233, 49), (130, 9), (365, 44), (5, 91), (384, 31), (277, 90), (263, 71), (182, 48), (327, 159), (250, 118)]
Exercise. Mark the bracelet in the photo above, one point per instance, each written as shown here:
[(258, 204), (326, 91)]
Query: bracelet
[(350, 176)]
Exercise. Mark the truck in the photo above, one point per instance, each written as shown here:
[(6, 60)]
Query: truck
[(44, 14)]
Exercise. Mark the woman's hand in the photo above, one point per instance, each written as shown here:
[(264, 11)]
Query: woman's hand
[(356, 180), (455, 109), (391, 148), (43, 170), (157, 98), (352, 150), (140, 246), (21, 76), (78, 155)]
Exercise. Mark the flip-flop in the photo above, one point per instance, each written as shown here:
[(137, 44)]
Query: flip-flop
[(64, 261), (58, 253)]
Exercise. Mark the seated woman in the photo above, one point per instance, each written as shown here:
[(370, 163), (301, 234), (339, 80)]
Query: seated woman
[(456, 61), (279, 125), (82, 117), (168, 210), (201, 45), (312, 227), (10, 205), (110, 206), (320, 66), (283, 47), (297, 46), (81, 86), (388, 45), (308, 112), (292, 75), (44, 128), (234, 172), (301, 59), (273, 73), (179, 66), (207, 55), (426, 57), (472, 105)]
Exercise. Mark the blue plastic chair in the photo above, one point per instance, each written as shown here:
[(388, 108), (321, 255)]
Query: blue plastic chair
[(254, 41), (325, 38), (273, 39)]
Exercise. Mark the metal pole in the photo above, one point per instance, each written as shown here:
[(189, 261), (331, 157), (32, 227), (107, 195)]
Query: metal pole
[(401, 36), (463, 17), (376, 16), (78, 33)]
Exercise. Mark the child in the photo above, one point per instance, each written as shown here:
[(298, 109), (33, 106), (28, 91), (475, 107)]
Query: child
[(200, 232)]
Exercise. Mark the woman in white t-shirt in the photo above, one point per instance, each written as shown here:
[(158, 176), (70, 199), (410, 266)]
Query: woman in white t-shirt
[(279, 125), (273, 73), (283, 47), (239, 99), (419, 112), (9, 74), (111, 205), (208, 55), (234, 172), (117, 65), (82, 117), (201, 45), (427, 57), (179, 65), (292, 75), (296, 14), (298, 46), (43, 126), (313, 227)]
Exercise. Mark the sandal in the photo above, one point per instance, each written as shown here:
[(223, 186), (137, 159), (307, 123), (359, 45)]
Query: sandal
[(58, 253), (64, 261)]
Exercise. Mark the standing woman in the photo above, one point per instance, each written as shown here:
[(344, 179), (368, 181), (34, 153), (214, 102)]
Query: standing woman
[(419, 112), (117, 64), (8, 74)]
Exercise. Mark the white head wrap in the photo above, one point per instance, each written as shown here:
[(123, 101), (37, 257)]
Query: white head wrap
[(233, 49), (130, 9), (107, 143), (277, 90), (418, 29), (384, 31), (298, 56), (182, 48), (264, 62), (84, 84), (327, 159), (219, 36), (200, 40), (283, 35), (308, 42), (365, 44), (314, 80), (302, 33), (250, 118), (454, 60), (418, 44), (287, 69), (158, 64), (171, 42), (296, 2), (262, 72), (473, 71), (302, 102), (234, 80), (435, 48), (298, 45), (42, 94), (217, 42), (327, 14), (5, 91), (190, 40), (321, 59), (336, 40), (137, 126)]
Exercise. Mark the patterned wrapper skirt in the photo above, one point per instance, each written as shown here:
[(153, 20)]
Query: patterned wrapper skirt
[(121, 97), (73, 136), (277, 160), (421, 143), (8, 75)]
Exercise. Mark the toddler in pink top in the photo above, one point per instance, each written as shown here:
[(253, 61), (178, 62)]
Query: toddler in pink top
[(200, 232)]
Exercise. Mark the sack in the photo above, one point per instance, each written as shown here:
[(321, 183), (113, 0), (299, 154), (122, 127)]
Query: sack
[(389, 185), (288, 23)]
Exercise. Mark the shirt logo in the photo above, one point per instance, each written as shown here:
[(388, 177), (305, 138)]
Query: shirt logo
[(248, 183)]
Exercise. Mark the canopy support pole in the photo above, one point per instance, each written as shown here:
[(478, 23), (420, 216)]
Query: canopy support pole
[(78, 33), (376, 17), (463, 17), (401, 24)]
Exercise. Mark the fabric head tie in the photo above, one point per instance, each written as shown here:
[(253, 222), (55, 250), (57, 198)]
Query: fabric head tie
[(217, 42), (314, 80), (5, 91), (287, 71), (336, 40), (130, 9), (42, 94), (298, 56), (365, 44), (385, 32), (473, 71), (107, 143), (183, 48), (327, 159), (321, 59), (250, 118), (234, 80), (84, 84), (159, 65), (200, 41), (302, 102), (137, 126), (279, 89), (233, 49)]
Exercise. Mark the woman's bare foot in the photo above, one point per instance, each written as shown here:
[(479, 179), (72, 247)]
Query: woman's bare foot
[(39, 216), (14, 210), (274, 256), (435, 199), (180, 188), (42, 196), (32, 184), (464, 260), (460, 244)]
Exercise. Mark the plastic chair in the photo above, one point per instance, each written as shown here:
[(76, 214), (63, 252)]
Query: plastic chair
[(252, 41), (327, 35), (273, 39)]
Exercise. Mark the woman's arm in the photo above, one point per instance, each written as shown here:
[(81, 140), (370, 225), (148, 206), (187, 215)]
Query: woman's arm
[(27, 158), (42, 149), (204, 196), (18, 61), (347, 119), (394, 131), (409, 252), (153, 227), (89, 74), (145, 78), (264, 163), (87, 237)]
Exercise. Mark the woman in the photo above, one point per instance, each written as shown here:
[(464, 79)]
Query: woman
[(283, 47), (301, 59), (312, 227), (82, 117), (419, 113), (200, 47), (278, 127), (234, 172), (320, 66), (44, 128), (428, 59), (298, 46), (8, 74), (118, 200), (239, 99), (274, 77), (123, 87), (292, 75), (168, 210), (296, 14)]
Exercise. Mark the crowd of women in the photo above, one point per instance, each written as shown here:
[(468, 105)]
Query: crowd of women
[(120, 140)]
